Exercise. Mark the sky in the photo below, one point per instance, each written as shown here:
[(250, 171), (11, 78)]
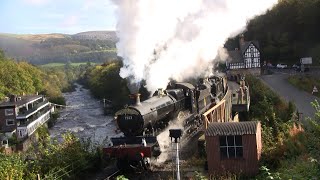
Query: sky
[(56, 16)]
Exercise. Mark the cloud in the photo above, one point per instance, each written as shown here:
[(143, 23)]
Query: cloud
[(36, 2), (97, 5), (54, 15), (70, 21)]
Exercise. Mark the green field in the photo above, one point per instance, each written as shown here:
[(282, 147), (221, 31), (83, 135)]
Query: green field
[(62, 64)]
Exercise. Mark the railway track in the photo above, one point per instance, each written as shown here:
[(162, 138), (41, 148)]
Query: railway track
[(113, 175)]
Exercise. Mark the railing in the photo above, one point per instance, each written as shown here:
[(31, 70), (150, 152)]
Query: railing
[(26, 130), (33, 110), (215, 114)]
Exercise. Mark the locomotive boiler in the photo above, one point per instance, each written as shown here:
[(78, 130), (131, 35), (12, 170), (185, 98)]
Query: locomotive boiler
[(141, 122), (136, 119)]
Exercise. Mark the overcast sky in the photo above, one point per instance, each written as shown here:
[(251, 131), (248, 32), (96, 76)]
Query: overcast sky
[(56, 16)]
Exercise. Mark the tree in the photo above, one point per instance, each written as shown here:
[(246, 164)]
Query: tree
[(1, 55)]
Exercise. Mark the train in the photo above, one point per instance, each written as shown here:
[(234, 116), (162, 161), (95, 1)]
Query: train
[(142, 122)]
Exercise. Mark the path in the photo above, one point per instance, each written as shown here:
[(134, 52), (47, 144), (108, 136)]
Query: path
[(302, 99)]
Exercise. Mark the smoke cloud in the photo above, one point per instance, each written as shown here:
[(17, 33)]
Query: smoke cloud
[(163, 39), (164, 140)]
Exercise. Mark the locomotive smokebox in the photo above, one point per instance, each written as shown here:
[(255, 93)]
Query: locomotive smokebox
[(135, 99)]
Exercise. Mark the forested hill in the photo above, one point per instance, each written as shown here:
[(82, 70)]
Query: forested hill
[(20, 78), (287, 32), (92, 46)]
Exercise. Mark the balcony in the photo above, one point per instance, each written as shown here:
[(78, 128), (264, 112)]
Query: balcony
[(27, 113), (26, 128)]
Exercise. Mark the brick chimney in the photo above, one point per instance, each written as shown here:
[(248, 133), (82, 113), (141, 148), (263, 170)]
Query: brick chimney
[(241, 40)]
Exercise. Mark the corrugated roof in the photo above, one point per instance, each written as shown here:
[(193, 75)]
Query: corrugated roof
[(232, 128)]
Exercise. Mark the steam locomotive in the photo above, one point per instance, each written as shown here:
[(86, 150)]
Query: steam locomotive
[(143, 121)]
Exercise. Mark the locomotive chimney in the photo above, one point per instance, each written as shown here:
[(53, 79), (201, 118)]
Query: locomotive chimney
[(160, 92), (135, 99)]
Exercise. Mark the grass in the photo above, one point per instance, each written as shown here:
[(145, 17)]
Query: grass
[(34, 37), (305, 83), (103, 50), (62, 64)]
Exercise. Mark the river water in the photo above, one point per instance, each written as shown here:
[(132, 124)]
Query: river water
[(84, 116)]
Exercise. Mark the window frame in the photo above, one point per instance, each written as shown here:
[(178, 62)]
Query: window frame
[(9, 114), (233, 146), (10, 120)]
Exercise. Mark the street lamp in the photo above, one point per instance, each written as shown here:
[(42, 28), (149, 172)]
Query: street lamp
[(176, 135)]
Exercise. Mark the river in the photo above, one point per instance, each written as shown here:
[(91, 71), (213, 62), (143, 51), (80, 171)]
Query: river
[(84, 116)]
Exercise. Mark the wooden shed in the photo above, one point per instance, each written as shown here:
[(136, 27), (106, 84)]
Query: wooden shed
[(233, 147)]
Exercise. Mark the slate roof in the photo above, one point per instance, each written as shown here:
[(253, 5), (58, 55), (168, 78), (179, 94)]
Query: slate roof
[(235, 56), (24, 100), (246, 44), (232, 128)]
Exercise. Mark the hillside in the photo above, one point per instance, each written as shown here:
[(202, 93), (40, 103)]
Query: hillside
[(286, 33), (97, 35), (93, 46)]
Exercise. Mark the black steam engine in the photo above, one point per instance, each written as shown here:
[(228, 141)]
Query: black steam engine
[(143, 121)]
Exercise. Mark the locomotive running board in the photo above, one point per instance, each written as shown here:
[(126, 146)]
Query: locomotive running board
[(133, 140), (129, 147)]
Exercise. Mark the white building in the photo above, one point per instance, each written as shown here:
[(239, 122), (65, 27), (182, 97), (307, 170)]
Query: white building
[(246, 59), (23, 115)]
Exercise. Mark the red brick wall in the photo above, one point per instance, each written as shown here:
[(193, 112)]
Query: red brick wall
[(247, 165)]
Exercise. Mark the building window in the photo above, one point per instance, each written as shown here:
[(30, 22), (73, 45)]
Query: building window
[(231, 147), (4, 142), (9, 122), (9, 112)]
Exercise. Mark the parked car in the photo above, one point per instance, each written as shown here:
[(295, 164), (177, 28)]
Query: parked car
[(269, 65), (300, 68), (282, 66), (296, 66)]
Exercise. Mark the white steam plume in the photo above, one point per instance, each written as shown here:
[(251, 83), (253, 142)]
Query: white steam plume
[(165, 141), (162, 39)]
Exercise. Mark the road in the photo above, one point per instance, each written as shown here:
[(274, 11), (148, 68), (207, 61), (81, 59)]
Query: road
[(278, 83)]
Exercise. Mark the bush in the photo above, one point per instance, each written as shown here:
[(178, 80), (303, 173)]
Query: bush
[(12, 167), (58, 100), (52, 121), (305, 83)]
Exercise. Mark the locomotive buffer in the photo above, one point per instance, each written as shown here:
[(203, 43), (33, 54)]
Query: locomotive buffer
[(176, 135)]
